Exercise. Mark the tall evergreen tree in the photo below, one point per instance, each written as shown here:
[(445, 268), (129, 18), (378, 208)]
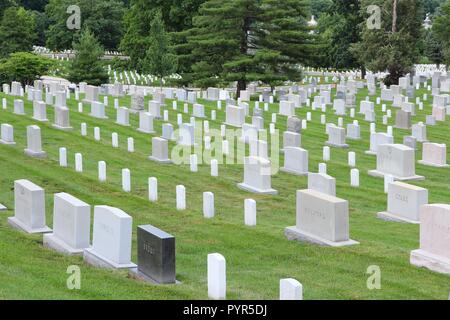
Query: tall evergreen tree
[(434, 49), (4, 4), (247, 40), (159, 60), (441, 28), (396, 46), (224, 44), (284, 40), (176, 15), (345, 33), (87, 66), (17, 31)]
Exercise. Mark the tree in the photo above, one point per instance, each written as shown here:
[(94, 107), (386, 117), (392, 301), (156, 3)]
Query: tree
[(338, 30), (159, 60), (41, 20), (17, 31), (176, 14), (284, 40), (395, 47), (87, 65), (434, 49), (103, 17), (4, 4), (246, 40), (36, 5), (441, 28), (430, 6), (223, 43), (319, 7), (23, 67)]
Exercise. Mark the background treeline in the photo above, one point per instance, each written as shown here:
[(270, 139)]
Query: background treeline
[(215, 42)]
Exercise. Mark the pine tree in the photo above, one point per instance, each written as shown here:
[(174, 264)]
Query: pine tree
[(159, 60), (248, 40), (434, 49), (17, 31), (87, 65), (342, 28), (176, 15), (441, 28), (396, 46), (284, 40), (222, 46)]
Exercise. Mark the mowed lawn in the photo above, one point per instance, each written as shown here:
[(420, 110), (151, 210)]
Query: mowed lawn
[(257, 257)]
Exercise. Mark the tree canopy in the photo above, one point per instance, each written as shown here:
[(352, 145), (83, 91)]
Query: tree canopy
[(17, 31), (246, 40), (159, 59), (441, 28), (396, 45), (87, 66), (23, 67), (103, 17)]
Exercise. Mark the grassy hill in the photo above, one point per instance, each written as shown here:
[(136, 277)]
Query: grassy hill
[(257, 258)]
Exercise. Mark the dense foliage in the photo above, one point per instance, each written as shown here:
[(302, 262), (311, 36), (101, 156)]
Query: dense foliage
[(103, 17), (218, 43), (23, 67), (396, 46), (87, 66), (17, 31)]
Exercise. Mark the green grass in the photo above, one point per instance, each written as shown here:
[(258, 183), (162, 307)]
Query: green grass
[(257, 258)]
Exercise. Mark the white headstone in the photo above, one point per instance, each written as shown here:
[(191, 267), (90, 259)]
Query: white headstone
[(160, 150), (102, 171), (290, 289), (434, 154), (396, 160), (321, 219), (257, 176), (34, 142), (111, 244), (29, 208), (217, 283), (404, 202), (7, 134), (153, 189), (145, 123), (62, 157), (295, 161), (250, 212), (434, 251), (71, 225), (126, 180), (181, 197), (208, 205)]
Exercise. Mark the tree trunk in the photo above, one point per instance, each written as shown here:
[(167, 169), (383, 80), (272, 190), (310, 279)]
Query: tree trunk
[(393, 77), (363, 72), (241, 85), (394, 16)]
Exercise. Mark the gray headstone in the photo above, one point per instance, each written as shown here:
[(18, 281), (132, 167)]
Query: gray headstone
[(410, 141), (294, 124), (403, 120), (156, 254)]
